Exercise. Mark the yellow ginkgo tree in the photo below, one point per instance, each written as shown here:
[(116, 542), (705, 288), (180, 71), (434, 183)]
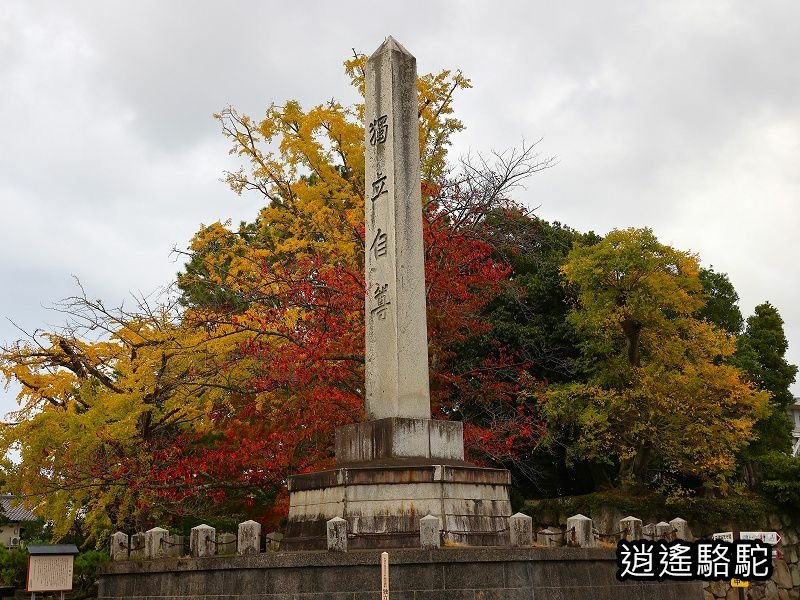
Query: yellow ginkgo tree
[(98, 399)]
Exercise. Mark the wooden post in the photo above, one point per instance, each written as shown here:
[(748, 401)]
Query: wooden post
[(384, 576), (736, 536)]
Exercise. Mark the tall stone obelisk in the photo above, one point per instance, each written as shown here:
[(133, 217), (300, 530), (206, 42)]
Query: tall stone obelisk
[(396, 329), (397, 400)]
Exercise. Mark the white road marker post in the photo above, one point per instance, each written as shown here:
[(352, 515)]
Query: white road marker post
[(384, 576)]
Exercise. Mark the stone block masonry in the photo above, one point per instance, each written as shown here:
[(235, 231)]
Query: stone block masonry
[(399, 439), (445, 574), (383, 505)]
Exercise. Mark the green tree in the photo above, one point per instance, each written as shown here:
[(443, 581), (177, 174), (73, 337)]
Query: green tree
[(87, 565), (530, 317), (721, 306), (781, 478), (13, 566), (761, 353), (658, 387)]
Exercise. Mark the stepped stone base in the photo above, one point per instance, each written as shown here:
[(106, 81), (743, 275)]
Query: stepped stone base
[(383, 505), (392, 472)]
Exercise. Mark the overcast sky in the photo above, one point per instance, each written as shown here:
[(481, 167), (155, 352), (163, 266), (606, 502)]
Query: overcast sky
[(680, 116)]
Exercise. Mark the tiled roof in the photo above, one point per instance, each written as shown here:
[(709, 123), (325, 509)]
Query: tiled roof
[(13, 511), (36, 549)]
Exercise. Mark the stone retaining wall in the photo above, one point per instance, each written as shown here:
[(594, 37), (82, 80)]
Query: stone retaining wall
[(785, 583), (446, 574)]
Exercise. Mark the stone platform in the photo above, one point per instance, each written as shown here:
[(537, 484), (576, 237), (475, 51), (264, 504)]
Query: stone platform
[(383, 502), (390, 473)]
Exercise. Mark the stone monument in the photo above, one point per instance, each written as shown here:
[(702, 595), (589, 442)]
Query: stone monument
[(400, 465)]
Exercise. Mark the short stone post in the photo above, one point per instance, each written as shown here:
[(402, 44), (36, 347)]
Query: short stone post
[(429, 537), (520, 527), (155, 540), (630, 528), (249, 539), (681, 528), (202, 541), (580, 532), (119, 546), (550, 538), (274, 539), (137, 546), (664, 531), (649, 531), (337, 535)]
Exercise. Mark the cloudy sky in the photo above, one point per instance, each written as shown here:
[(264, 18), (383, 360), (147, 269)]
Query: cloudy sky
[(681, 116)]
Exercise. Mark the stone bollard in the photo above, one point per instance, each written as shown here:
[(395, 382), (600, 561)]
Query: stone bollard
[(337, 535), (226, 543), (429, 537), (173, 546), (630, 528), (649, 531), (681, 528), (664, 531), (119, 546), (580, 532), (155, 540), (274, 539), (137, 546), (249, 538), (550, 538), (521, 530), (202, 541)]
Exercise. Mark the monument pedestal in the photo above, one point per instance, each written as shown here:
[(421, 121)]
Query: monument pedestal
[(399, 438), (391, 473)]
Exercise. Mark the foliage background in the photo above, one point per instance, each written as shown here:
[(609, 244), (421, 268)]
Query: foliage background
[(182, 396)]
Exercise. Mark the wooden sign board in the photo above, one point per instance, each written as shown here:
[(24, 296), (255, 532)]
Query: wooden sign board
[(50, 573), (725, 536), (768, 537)]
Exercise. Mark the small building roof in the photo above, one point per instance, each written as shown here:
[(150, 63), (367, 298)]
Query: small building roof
[(39, 549), (14, 511)]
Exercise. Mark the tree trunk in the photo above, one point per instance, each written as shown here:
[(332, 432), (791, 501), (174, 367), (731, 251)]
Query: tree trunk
[(751, 474), (632, 471), (600, 477), (633, 332)]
